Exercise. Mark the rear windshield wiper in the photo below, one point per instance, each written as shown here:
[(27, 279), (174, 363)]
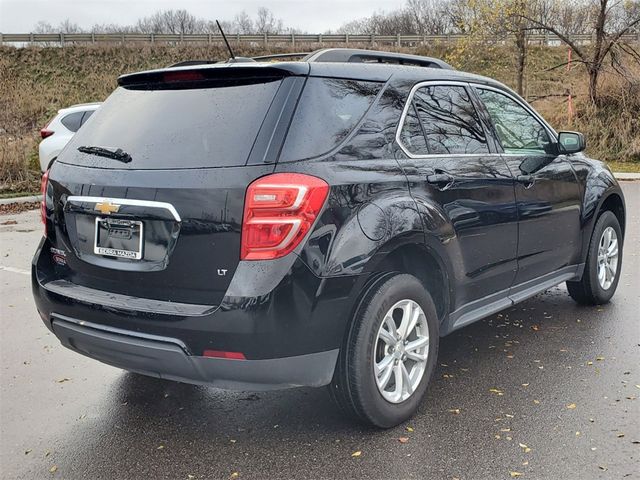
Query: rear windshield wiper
[(117, 154)]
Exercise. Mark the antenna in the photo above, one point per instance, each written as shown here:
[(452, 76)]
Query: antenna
[(225, 40)]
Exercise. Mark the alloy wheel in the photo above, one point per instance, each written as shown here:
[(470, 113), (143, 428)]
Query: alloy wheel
[(401, 351)]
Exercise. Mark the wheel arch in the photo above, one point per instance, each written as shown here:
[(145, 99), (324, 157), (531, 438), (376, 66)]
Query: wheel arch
[(613, 202), (423, 262)]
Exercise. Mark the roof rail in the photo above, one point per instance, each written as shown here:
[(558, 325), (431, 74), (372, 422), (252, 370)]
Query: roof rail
[(338, 55), (281, 55), (353, 55)]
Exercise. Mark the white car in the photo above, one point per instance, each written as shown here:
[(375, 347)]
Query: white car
[(57, 133)]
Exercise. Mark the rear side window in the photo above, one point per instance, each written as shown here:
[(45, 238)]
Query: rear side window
[(328, 110), (177, 128), (449, 121), (72, 121), (86, 117)]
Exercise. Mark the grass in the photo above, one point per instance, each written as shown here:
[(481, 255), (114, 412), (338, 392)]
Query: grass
[(624, 167), (37, 81)]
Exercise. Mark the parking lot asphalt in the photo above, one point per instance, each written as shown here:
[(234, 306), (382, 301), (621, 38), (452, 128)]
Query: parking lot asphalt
[(546, 389)]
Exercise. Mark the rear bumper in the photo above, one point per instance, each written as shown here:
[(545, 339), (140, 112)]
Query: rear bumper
[(288, 324), (167, 358)]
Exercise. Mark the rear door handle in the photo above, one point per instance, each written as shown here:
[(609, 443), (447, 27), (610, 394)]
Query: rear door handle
[(441, 180)]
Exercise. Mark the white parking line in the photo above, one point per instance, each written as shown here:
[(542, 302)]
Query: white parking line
[(15, 270)]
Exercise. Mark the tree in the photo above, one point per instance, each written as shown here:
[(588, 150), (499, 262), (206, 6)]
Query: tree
[(608, 21), (266, 22)]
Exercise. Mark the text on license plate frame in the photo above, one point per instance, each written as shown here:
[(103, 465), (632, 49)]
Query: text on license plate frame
[(118, 252)]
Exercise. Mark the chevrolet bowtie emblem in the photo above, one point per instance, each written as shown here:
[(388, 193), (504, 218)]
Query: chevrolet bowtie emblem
[(106, 207)]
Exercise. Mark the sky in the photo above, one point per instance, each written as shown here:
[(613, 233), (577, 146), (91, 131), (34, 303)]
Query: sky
[(313, 16)]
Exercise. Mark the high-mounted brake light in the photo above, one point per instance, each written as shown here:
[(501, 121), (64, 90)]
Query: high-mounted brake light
[(182, 76), (279, 210), (43, 204)]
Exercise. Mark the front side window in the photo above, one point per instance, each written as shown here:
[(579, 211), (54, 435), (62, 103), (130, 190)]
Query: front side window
[(516, 128), (446, 119)]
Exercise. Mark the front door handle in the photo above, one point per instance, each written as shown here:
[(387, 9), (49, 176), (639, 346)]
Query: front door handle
[(440, 179), (526, 180)]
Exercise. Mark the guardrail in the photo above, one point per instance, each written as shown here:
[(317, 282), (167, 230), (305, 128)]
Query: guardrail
[(266, 39)]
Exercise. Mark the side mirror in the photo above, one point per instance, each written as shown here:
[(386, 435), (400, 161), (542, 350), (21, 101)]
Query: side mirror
[(571, 142)]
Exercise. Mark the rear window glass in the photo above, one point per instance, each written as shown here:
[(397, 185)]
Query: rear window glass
[(176, 128), (72, 121), (328, 110)]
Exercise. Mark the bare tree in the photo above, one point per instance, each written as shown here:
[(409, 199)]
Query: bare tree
[(608, 21), (242, 23), (171, 21), (267, 23), (66, 26)]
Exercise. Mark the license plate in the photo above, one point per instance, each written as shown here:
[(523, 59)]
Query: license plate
[(118, 238)]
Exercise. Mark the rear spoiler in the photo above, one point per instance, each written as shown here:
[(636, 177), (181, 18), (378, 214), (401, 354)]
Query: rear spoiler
[(192, 76)]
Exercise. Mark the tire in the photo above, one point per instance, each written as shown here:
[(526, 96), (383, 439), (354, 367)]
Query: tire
[(354, 387), (590, 290)]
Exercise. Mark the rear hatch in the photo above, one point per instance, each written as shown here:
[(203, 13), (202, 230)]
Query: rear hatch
[(148, 197)]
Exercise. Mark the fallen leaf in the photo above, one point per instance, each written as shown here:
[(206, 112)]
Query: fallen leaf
[(233, 441), (234, 475), (571, 406), (27, 452), (505, 429), (160, 447), (602, 467), (356, 454), (403, 439), (496, 391), (600, 359), (537, 402), (535, 328), (515, 474), (53, 469), (525, 384), (409, 429), (455, 411), (62, 380), (620, 435)]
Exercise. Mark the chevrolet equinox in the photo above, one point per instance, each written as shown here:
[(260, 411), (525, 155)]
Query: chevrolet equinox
[(323, 222)]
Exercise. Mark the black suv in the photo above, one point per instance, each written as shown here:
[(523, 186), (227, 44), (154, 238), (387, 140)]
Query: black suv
[(255, 225)]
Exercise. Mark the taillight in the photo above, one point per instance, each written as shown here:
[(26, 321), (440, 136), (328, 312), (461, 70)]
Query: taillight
[(279, 210), (44, 133), (43, 204)]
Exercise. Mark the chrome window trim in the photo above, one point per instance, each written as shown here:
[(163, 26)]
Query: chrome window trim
[(128, 201), (552, 133), (430, 83)]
